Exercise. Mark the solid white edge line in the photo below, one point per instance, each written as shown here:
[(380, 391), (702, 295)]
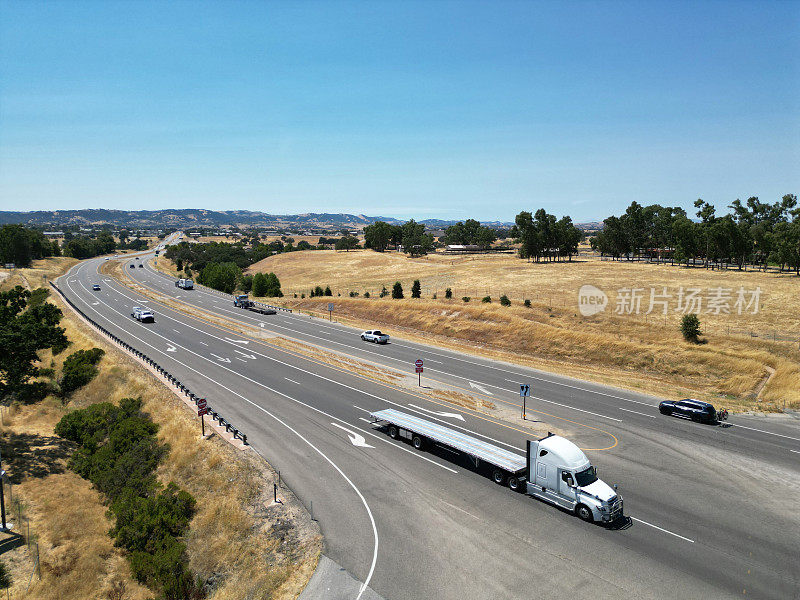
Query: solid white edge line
[(289, 427), (661, 529), (578, 409), (788, 437), (636, 412)]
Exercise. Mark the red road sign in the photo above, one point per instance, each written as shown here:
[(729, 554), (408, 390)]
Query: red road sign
[(202, 411), (419, 369), (201, 403), (418, 363)]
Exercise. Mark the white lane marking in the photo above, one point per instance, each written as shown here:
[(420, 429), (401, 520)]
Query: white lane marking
[(578, 409), (297, 433), (250, 356), (768, 432), (204, 344), (241, 359), (171, 348), (636, 413), (398, 446), (480, 388), (95, 303), (175, 330), (356, 439), (661, 529), (292, 380), (237, 341), (220, 359), (441, 414), (325, 332), (333, 381), (438, 362)]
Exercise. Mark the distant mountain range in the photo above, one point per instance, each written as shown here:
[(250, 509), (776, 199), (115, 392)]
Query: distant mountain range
[(193, 217)]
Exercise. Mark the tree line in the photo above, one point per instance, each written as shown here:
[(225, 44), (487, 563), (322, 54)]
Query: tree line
[(753, 232), (542, 236), (20, 245)]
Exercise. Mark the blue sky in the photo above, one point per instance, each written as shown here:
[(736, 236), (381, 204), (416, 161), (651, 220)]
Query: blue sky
[(428, 109)]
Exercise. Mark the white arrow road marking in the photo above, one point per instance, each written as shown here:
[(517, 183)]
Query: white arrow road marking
[(171, 348), (261, 324), (238, 341), (220, 359), (250, 356), (441, 414), (355, 438), (95, 303), (480, 388)]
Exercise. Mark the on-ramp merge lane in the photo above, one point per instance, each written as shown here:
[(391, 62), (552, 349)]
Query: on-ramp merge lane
[(445, 534)]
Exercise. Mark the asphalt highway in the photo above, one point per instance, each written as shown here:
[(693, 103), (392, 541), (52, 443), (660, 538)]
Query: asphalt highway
[(713, 510)]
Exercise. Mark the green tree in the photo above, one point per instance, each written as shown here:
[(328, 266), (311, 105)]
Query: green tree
[(448, 293), (397, 290), (416, 289), (328, 291), (259, 285), (347, 243), (24, 330), (222, 277), (690, 328), (5, 577), (378, 236), (415, 241), (273, 286)]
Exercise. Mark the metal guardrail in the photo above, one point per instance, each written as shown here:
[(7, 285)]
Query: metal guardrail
[(158, 368)]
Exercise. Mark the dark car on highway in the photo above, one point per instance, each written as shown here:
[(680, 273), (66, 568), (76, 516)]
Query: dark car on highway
[(696, 410)]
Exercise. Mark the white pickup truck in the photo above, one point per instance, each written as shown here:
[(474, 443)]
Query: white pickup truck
[(373, 335), (144, 315), (186, 284)]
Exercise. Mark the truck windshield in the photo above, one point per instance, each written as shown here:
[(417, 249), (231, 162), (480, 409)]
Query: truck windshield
[(586, 477)]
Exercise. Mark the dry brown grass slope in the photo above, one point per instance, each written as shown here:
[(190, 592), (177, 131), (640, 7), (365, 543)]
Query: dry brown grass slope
[(248, 546), (638, 352)]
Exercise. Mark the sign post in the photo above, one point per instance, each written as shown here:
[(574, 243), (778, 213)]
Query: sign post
[(418, 365), (524, 391), (330, 311), (202, 410), (2, 496)]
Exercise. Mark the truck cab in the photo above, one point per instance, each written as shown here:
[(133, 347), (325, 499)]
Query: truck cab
[(242, 301), (560, 473), (186, 284)]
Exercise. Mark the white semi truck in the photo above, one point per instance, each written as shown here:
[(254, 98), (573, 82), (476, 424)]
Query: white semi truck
[(555, 470), (186, 284)]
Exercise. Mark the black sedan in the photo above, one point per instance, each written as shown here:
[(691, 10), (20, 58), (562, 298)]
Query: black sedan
[(702, 412)]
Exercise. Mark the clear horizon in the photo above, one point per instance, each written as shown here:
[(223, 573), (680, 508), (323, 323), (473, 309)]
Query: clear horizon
[(427, 110)]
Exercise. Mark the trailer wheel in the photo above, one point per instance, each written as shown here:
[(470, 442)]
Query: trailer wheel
[(393, 432), (418, 442), (515, 484), (499, 476), (584, 513)]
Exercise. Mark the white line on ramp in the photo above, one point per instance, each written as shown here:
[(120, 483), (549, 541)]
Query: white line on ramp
[(661, 529)]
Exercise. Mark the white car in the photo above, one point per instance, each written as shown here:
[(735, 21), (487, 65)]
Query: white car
[(144, 315), (373, 335)]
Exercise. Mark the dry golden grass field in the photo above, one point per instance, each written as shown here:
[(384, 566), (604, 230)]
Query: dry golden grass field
[(637, 351), (236, 533)]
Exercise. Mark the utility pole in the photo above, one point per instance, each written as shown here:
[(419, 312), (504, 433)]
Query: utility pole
[(2, 495)]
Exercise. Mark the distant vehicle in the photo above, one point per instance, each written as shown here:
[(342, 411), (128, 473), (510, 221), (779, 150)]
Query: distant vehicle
[(141, 266), (555, 470), (133, 266), (696, 410), (243, 301), (96, 287), (144, 315), (375, 336), (137, 258), (186, 284), (108, 258)]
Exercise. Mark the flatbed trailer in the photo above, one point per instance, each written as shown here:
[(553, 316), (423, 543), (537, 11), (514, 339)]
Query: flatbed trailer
[(410, 427)]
